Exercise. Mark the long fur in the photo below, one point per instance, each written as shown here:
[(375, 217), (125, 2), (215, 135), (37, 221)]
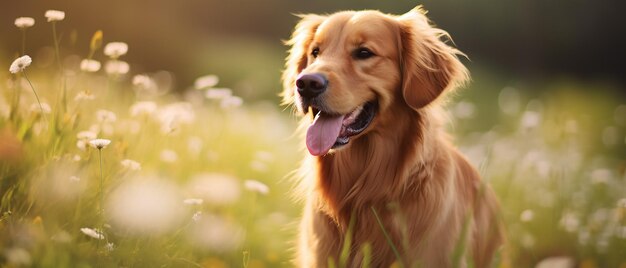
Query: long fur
[(403, 167)]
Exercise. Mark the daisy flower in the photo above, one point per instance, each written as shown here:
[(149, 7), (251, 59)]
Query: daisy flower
[(105, 116), (20, 64), (193, 201), (115, 49), (206, 81), (116, 67), (256, 186), (99, 143), (93, 233), (143, 108), (90, 66), (218, 93), (131, 164), (44, 107), (231, 102), (86, 135), (143, 81), (55, 15), (24, 22), (84, 95)]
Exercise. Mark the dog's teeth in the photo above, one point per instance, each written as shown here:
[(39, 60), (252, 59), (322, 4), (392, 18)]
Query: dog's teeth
[(352, 116)]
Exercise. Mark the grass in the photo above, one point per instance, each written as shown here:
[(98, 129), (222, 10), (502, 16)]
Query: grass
[(553, 152)]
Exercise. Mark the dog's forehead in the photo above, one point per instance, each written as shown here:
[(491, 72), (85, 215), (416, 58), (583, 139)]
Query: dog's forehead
[(356, 27)]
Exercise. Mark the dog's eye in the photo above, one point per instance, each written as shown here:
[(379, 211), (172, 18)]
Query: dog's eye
[(315, 52), (362, 53)]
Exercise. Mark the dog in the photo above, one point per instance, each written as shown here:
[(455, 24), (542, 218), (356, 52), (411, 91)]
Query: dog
[(382, 183)]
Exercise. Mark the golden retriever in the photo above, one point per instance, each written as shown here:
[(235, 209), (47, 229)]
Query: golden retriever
[(382, 183)]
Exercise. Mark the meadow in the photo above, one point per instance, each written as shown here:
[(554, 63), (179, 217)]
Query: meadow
[(104, 167)]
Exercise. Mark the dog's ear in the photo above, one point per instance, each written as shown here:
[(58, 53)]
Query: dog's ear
[(429, 65), (297, 59)]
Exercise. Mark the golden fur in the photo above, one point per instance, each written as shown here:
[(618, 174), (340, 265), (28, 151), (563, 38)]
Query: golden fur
[(402, 166)]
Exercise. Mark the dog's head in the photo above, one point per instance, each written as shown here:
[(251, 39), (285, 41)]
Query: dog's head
[(349, 68)]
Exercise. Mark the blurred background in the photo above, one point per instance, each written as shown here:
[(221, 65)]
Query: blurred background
[(544, 119), (523, 41)]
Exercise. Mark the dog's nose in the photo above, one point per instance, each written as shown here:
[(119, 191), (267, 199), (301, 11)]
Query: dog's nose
[(311, 85)]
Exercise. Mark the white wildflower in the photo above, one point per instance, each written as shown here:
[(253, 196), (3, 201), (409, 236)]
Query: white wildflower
[(143, 108), (143, 81), (193, 201), (109, 246), (35, 108), (256, 186), (24, 22), (168, 156), (61, 237), (527, 215), (174, 115), (116, 67), (570, 222), (131, 164), (530, 120), (601, 176), (105, 116), (194, 145), (55, 15), (86, 135), (264, 156), (611, 136), (82, 144), (99, 143), (20, 64), (115, 49), (216, 233), (206, 81), (509, 101), (464, 110), (231, 102), (84, 95), (258, 166), (556, 262), (90, 66), (218, 93), (197, 216), (17, 257), (93, 233), (215, 188), (147, 206)]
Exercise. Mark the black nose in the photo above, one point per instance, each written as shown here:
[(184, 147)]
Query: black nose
[(311, 85)]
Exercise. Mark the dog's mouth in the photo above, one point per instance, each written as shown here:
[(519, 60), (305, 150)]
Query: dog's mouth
[(330, 131)]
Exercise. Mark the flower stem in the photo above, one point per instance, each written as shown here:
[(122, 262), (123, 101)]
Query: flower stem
[(43, 114), (23, 41), (382, 227), (56, 45), (101, 210), (58, 58)]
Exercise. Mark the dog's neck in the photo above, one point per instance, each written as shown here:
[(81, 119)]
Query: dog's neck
[(375, 167)]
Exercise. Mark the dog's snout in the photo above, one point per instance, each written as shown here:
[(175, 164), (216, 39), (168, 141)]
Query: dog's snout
[(311, 85)]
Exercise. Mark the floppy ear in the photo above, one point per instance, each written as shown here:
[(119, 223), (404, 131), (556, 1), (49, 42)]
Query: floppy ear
[(297, 59), (429, 65)]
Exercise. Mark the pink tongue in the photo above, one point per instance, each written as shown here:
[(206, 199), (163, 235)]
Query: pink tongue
[(323, 133)]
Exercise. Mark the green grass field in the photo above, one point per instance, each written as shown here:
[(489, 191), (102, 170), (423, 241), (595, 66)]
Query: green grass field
[(182, 182)]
